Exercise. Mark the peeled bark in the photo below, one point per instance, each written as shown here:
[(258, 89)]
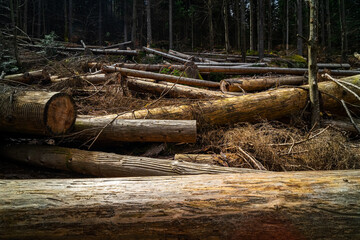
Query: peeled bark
[(165, 55), (36, 112), (172, 90), (162, 77), (141, 130), (104, 164), (249, 84), (252, 107), (292, 205), (28, 77)]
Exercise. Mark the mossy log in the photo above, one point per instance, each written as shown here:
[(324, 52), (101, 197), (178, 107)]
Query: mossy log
[(172, 90), (162, 77), (250, 84), (36, 112), (136, 130), (291, 205), (28, 77), (104, 164), (271, 104)]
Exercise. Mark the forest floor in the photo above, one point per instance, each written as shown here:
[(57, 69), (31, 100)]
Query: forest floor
[(288, 144)]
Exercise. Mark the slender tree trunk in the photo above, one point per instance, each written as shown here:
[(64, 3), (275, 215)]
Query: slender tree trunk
[(243, 36), (252, 24), (33, 18), (328, 24), (270, 25), (299, 27), (66, 25), (100, 24), (211, 25), (39, 19), (125, 22), (343, 30), (322, 15), (171, 44), (43, 17), (261, 28), (238, 28), (133, 27), (312, 64), (287, 27), (13, 23), (25, 26), (70, 19), (148, 23), (226, 25)]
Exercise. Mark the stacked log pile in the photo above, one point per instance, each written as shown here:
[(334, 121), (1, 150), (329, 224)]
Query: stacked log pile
[(234, 203)]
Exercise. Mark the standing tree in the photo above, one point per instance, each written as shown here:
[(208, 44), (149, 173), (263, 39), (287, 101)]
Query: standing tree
[(243, 36), (134, 24), (299, 27), (171, 44), (328, 23), (13, 25), (71, 19), (100, 23), (209, 4), (343, 30), (261, 28), (252, 24), (148, 23), (270, 3), (226, 25), (312, 63)]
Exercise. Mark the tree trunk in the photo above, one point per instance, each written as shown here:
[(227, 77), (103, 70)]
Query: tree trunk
[(312, 64), (66, 20), (270, 27), (243, 32), (269, 105), (249, 85), (13, 23), (120, 130), (25, 27), (287, 27), (252, 24), (35, 112), (261, 28), (290, 205), (171, 44), (148, 24), (342, 125), (343, 30), (328, 24), (125, 21), (162, 77), (165, 55), (134, 24), (322, 22), (104, 164), (39, 19), (211, 25), (198, 158), (238, 28), (28, 77), (299, 27), (172, 90), (100, 31)]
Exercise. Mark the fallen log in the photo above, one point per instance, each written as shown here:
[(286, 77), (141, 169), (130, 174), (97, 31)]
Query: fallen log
[(104, 164), (162, 77), (291, 205), (190, 57), (36, 112), (275, 70), (120, 130), (198, 158), (342, 125), (28, 77), (93, 78), (273, 104), (93, 50), (251, 84), (118, 45), (333, 65), (165, 55), (172, 90)]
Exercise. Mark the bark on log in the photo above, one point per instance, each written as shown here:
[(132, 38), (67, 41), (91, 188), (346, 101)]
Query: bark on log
[(165, 55), (162, 77), (104, 164), (178, 90), (93, 78), (197, 158), (291, 205), (250, 84), (269, 105), (333, 65), (190, 57), (118, 45), (36, 112), (142, 130), (28, 77), (342, 125)]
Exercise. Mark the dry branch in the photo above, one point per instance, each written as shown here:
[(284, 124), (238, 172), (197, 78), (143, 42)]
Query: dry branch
[(292, 205)]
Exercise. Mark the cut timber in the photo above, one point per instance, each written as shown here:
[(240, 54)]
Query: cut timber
[(107, 164), (28, 77), (251, 84), (36, 112), (141, 130), (171, 89), (162, 77), (93, 78), (190, 57), (342, 125), (291, 205), (118, 45), (165, 55), (93, 50), (333, 65), (269, 105)]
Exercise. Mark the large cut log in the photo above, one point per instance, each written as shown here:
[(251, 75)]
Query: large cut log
[(251, 84), (141, 130), (165, 55), (162, 77), (104, 164), (171, 89), (291, 205), (36, 112), (28, 77), (272, 104), (276, 70), (93, 50)]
